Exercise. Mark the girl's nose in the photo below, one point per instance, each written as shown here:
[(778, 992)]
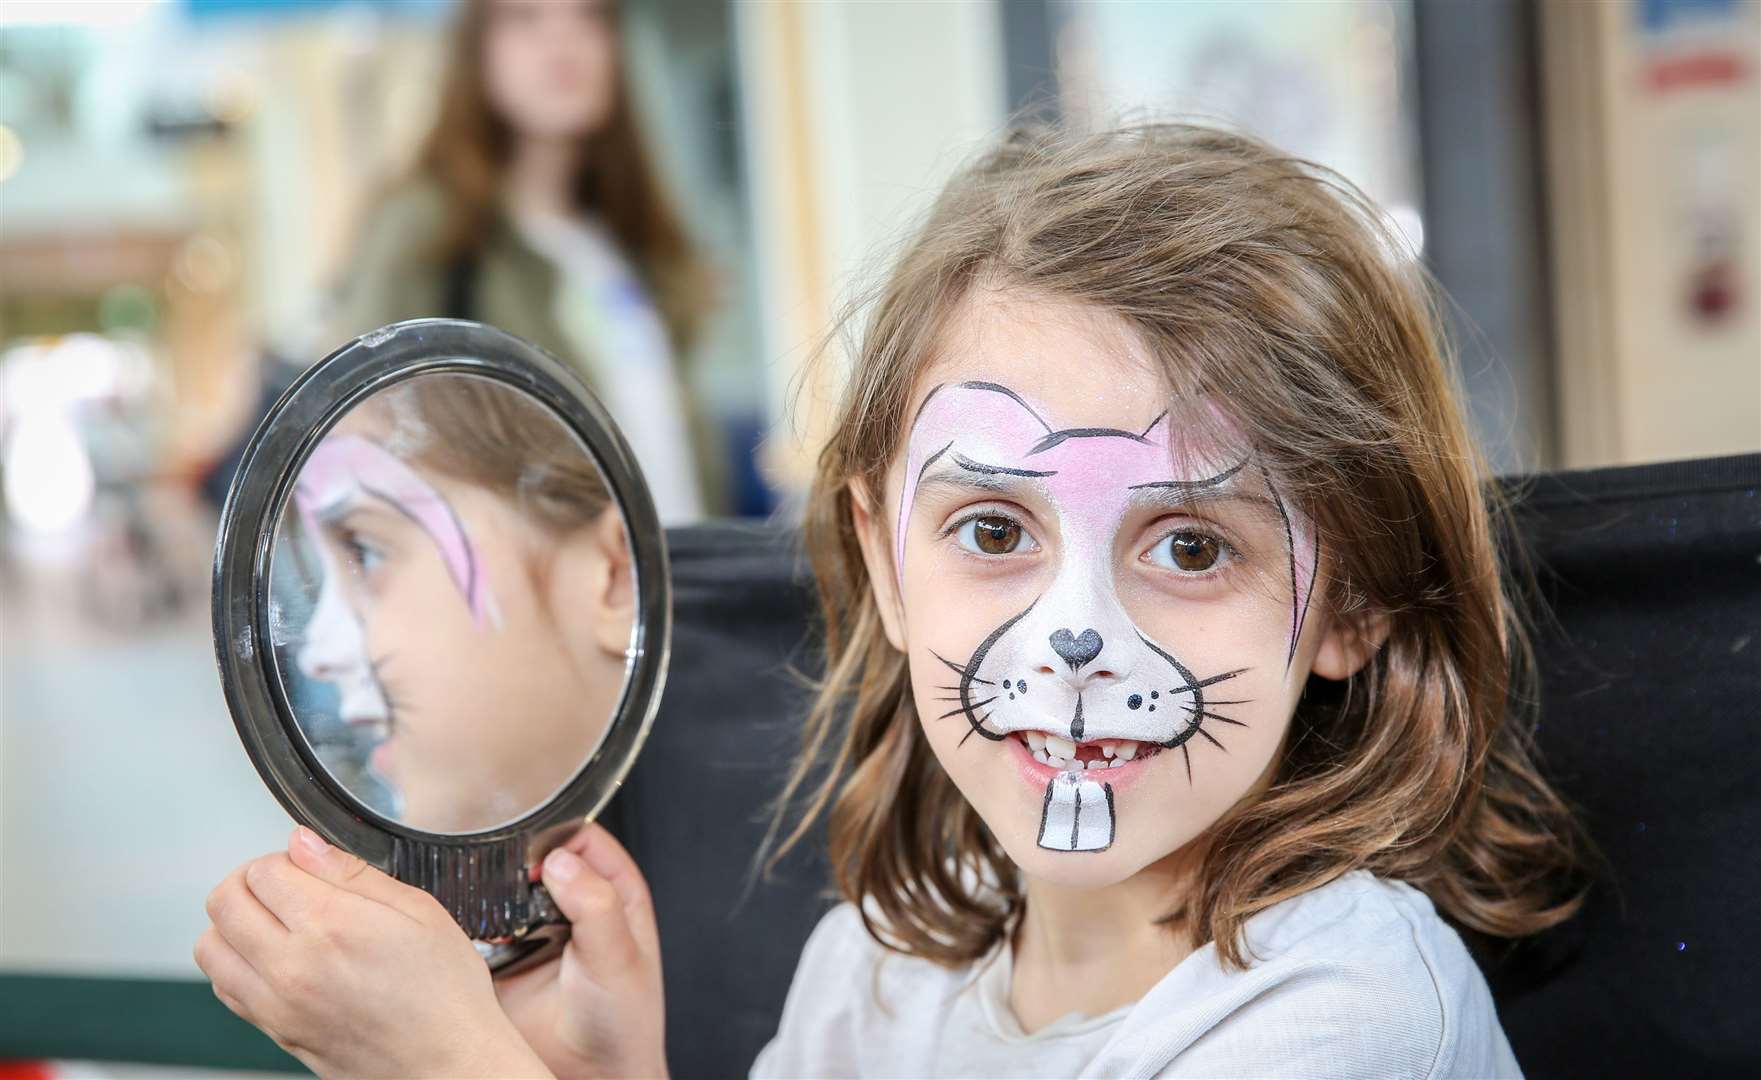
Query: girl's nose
[(1076, 649), (333, 645)]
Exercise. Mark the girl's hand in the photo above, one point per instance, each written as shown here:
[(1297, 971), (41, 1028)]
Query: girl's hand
[(353, 972), (598, 1009)]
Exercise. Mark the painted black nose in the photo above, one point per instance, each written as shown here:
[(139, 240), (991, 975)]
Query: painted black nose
[(1075, 650)]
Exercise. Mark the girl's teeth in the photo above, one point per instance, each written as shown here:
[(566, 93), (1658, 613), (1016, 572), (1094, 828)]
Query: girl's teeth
[(1058, 752)]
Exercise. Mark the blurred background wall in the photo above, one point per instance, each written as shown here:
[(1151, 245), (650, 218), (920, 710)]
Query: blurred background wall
[(181, 183)]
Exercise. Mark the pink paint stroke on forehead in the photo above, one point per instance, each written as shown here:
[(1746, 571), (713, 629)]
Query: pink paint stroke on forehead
[(344, 467), (1089, 473)]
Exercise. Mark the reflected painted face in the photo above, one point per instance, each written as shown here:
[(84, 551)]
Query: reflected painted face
[(486, 684), (1103, 617)]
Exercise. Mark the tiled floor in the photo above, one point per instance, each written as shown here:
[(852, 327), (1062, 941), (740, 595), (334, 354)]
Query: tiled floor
[(124, 792)]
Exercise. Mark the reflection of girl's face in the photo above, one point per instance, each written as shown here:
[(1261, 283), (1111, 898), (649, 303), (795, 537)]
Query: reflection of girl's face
[(438, 631)]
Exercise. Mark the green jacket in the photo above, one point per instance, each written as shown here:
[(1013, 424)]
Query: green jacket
[(397, 274)]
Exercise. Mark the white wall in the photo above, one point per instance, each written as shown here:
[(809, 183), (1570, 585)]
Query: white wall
[(855, 113)]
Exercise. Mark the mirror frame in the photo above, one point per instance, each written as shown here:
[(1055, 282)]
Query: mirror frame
[(478, 876)]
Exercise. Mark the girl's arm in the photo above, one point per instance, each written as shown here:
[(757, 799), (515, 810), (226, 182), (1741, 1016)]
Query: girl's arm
[(355, 973)]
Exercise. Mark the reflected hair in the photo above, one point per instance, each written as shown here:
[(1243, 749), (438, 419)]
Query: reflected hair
[(482, 432), (1271, 287)]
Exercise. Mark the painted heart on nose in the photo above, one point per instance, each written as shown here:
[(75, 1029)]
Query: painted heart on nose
[(1075, 650)]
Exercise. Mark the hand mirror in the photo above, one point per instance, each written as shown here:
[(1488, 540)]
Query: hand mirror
[(442, 614)]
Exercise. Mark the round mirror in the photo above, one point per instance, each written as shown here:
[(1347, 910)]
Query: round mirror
[(451, 599), (441, 614)]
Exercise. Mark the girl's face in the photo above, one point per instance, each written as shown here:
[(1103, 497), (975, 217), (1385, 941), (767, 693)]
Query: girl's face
[(1106, 622), (486, 655), (550, 65)]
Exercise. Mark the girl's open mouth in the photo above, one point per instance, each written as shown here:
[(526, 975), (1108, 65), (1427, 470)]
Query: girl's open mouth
[(1062, 754)]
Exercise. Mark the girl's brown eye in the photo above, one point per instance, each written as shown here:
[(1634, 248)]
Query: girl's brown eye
[(996, 536), (1190, 552), (990, 534)]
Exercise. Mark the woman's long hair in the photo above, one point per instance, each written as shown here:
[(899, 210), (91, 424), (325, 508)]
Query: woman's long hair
[(468, 149)]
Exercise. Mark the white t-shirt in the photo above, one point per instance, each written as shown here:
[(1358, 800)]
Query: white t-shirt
[(1358, 978), (605, 311)]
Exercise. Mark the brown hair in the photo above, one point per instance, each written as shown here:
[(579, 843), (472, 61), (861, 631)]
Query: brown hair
[(1270, 286), (489, 434), (468, 148)]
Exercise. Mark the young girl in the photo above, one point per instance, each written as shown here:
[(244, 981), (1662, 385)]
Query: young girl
[(1165, 717)]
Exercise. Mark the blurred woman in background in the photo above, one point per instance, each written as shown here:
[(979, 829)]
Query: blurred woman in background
[(534, 207)]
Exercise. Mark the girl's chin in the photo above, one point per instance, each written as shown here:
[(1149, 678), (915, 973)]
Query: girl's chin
[(1076, 869)]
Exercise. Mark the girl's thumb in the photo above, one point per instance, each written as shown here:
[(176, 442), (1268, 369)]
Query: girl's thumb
[(601, 935)]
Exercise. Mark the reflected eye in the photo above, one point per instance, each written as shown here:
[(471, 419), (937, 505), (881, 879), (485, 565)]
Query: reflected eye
[(993, 534), (361, 553), (1188, 551)]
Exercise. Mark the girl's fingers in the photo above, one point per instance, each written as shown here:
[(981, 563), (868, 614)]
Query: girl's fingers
[(235, 982), (242, 920), (332, 865), (601, 936), (607, 858)]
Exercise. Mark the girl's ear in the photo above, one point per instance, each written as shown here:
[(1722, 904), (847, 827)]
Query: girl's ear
[(615, 589), (881, 577), (1349, 642)]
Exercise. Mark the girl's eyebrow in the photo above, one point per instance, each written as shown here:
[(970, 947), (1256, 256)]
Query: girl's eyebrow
[(980, 467), (338, 507), (1194, 485), (1170, 498), (358, 511), (997, 482)]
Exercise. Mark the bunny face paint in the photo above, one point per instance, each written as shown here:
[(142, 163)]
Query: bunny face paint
[(1112, 611)]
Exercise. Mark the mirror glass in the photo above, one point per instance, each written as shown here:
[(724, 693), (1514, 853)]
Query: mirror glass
[(451, 603)]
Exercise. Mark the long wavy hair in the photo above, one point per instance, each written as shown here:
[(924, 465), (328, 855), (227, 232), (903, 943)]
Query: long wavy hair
[(1269, 286), (467, 152)]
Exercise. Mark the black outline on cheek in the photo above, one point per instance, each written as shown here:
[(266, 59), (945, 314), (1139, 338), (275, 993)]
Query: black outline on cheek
[(1290, 549), (1196, 708), (970, 675)]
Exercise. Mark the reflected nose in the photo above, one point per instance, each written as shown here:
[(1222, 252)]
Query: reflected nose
[(1076, 649), (334, 647)]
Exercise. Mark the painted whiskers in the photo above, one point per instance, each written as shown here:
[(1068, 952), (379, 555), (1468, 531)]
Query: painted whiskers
[(1078, 811)]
